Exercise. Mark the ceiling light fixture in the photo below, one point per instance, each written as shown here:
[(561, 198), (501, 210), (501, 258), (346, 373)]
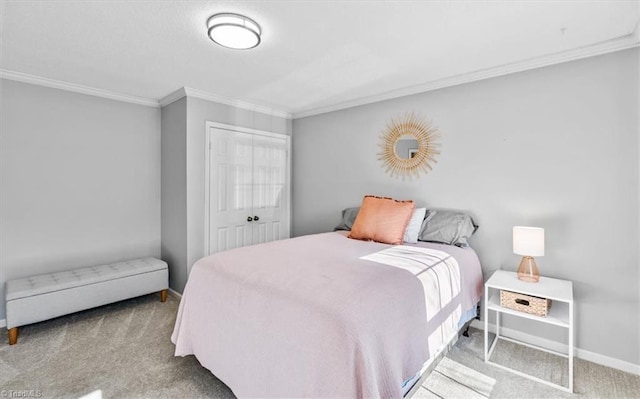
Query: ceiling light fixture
[(234, 31)]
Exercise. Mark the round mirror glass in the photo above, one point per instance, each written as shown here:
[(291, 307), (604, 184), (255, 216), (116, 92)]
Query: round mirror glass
[(406, 147)]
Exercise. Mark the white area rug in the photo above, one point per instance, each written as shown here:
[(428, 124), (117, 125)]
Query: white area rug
[(451, 379)]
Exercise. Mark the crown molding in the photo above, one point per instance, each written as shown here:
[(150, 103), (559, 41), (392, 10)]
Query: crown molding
[(622, 43), (77, 88), (176, 95), (172, 97), (203, 95), (236, 103)]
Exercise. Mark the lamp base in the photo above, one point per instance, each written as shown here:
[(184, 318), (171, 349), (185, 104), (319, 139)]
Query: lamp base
[(528, 270)]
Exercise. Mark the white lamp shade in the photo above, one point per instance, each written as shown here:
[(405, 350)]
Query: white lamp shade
[(528, 241)]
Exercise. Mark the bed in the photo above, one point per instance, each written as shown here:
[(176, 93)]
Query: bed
[(324, 315)]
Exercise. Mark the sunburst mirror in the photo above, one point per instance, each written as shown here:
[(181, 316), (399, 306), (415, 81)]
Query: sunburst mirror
[(408, 146)]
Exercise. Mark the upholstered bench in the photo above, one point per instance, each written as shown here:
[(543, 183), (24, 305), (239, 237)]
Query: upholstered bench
[(37, 298)]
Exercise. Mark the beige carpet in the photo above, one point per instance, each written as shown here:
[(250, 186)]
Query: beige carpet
[(590, 380), (451, 379), (125, 351)]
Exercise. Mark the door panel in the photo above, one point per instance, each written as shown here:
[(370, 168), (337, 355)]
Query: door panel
[(221, 187), (223, 239), (231, 188), (248, 177), (270, 191), (276, 229)]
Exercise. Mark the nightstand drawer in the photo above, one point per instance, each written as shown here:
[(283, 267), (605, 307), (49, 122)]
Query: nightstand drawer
[(525, 303)]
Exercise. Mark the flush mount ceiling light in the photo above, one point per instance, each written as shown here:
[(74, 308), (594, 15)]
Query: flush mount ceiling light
[(233, 31)]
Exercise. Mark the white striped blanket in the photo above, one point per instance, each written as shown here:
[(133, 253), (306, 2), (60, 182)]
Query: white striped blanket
[(439, 274)]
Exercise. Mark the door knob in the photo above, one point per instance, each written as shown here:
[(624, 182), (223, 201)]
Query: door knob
[(256, 218), (249, 219)]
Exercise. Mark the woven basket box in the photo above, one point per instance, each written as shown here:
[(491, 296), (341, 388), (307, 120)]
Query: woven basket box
[(525, 303)]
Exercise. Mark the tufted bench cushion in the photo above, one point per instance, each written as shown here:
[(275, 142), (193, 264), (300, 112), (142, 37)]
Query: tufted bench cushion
[(37, 298), (44, 283)]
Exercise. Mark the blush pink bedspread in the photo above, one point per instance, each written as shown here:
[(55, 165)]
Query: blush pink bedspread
[(304, 317)]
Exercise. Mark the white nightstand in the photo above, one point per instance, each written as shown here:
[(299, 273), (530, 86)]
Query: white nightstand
[(560, 314)]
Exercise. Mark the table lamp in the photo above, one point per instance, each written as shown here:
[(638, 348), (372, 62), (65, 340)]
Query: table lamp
[(528, 242)]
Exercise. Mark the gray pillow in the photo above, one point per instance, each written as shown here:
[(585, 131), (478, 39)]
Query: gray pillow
[(348, 217), (447, 227)]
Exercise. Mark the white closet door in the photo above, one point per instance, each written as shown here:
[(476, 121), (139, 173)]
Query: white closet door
[(270, 191), (247, 189), (230, 190)]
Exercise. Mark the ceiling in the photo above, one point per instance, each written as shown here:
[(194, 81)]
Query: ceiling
[(314, 56)]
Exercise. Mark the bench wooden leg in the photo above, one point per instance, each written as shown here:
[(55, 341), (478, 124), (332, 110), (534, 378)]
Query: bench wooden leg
[(163, 296), (13, 336)]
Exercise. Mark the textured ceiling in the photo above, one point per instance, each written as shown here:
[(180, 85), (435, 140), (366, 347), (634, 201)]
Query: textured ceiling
[(314, 54)]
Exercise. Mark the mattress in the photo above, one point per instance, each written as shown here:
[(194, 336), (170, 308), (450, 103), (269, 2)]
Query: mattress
[(313, 316)]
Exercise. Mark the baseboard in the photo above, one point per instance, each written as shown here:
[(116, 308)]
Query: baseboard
[(560, 347), (3, 323)]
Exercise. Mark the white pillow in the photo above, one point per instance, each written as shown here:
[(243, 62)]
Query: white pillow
[(414, 225)]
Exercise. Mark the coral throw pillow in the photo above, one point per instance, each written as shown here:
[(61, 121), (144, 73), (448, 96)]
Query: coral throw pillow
[(382, 220)]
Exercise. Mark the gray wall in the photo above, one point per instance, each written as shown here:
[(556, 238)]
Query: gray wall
[(174, 191), (555, 147), (185, 173), (79, 181)]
